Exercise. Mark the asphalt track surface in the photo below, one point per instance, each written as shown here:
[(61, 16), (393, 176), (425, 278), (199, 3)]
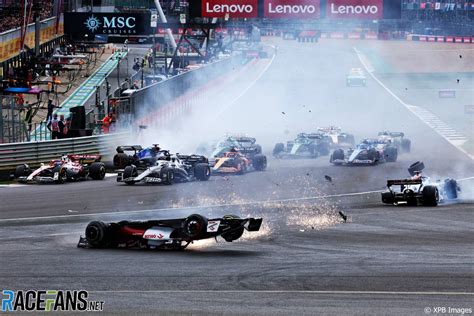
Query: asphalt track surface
[(305, 260)]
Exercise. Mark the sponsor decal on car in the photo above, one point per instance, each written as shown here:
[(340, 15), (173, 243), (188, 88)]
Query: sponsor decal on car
[(213, 226)]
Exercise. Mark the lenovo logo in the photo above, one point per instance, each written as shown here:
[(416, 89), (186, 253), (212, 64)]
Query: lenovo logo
[(354, 9), (350, 9), (291, 8), (230, 8)]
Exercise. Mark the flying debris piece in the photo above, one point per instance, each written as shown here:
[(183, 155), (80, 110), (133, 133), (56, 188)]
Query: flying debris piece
[(309, 111), (457, 80), (307, 173), (460, 56), (283, 113), (343, 216), (328, 178)]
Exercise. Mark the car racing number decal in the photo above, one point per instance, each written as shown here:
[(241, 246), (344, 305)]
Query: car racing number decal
[(213, 226)]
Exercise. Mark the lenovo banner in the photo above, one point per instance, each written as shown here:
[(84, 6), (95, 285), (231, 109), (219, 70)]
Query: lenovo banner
[(355, 9), (229, 8), (287, 9)]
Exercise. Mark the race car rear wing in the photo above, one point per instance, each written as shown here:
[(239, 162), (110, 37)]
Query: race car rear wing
[(403, 182), (392, 134), (254, 224), (85, 158), (135, 148)]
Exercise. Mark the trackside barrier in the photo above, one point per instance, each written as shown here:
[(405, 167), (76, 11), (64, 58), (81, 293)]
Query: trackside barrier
[(35, 153)]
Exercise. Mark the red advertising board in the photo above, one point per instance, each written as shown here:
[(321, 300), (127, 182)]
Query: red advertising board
[(354, 9), (234, 8), (287, 9)]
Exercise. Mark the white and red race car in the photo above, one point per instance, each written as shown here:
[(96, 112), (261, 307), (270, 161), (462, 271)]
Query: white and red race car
[(69, 167)]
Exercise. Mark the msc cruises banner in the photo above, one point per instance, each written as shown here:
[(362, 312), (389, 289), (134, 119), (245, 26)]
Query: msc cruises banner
[(78, 24)]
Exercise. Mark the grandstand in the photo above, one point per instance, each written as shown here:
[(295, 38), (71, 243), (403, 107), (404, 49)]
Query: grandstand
[(12, 12)]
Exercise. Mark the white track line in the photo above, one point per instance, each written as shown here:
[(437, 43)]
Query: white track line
[(412, 293), (424, 115), (189, 207)]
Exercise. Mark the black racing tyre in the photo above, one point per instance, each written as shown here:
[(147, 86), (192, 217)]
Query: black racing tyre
[(237, 230), (241, 166), (406, 145), (430, 195), (97, 234), (337, 154), (279, 148), (167, 175), (97, 171), (391, 154), (373, 155), (121, 160), (451, 189), (259, 162), (194, 226), (387, 198), (62, 174), (323, 148), (129, 172), (416, 166), (202, 171), (22, 171), (258, 149)]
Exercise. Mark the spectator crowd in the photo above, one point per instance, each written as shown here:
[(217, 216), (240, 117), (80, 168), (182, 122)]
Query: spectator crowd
[(11, 14)]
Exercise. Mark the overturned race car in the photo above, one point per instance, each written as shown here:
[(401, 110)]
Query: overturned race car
[(165, 233), (68, 168), (420, 190)]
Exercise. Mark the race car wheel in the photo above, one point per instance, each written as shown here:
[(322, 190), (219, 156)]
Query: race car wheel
[(451, 189), (258, 149), (279, 148), (194, 226), (62, 174), (130, 172), (338, 154), (374, 156), (406, 145), (430, 195), (236, 229), (167, 175), (202, 171), (121, 160), (96, 234), (391, 154), (240, 166), (387, 198), (22, 171), (416, 166), (259, 162), (97, 171)]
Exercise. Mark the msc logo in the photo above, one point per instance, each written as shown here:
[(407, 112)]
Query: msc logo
[(112, 24), (92, 23)]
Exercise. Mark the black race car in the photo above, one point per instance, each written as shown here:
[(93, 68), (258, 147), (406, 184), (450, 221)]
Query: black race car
[(165, 233)]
